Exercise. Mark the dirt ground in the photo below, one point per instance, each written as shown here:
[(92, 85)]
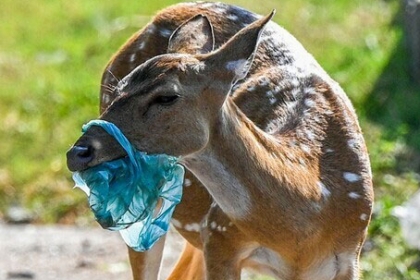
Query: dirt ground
[(66, 252)]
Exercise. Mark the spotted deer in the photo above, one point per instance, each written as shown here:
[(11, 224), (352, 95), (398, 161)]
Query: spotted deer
[(278, 177)]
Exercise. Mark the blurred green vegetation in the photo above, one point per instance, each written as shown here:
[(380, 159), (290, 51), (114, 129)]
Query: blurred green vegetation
[(52, 54)]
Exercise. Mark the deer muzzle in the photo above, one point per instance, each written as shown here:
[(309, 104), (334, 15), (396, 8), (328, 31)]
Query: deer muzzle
[(92, 148), (79, 157)]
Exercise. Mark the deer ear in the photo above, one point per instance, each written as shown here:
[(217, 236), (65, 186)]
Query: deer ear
[(195, 36), (233, 60)]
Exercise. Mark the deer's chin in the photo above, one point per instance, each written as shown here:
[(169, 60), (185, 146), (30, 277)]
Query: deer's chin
[(179, 152), (104, 159)]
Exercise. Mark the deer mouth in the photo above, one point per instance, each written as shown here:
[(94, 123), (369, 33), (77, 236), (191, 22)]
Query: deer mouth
[(94, 147), (124, 193)]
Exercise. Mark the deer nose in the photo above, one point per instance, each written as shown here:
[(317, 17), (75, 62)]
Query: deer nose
[(78, 157)]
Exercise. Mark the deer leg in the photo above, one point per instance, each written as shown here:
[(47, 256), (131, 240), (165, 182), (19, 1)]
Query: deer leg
[(222, 243), (145, 265), (190, 265), (348, 263), (194, 206), (221, 264), (351, 273)]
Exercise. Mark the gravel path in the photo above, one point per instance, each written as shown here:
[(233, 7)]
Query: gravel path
[(66, 252)]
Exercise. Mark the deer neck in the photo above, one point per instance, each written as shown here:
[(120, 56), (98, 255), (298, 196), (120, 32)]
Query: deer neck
[(241, 165)]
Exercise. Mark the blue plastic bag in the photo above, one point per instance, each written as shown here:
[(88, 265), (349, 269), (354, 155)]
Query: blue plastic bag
[(124, 193)]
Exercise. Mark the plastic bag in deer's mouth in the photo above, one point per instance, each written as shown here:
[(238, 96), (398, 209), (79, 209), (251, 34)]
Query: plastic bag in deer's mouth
[(124, 193)]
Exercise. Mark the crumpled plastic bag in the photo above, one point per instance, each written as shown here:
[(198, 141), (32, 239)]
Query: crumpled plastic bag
[(124, 193), (409, 217)]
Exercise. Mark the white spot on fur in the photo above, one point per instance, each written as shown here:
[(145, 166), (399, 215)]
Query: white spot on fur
[(363, 217), (213, 225), (305, 148), (295, 83), (187, 182), (324, 190), (219, 10), (291, 105), (309, 90), (165, 32), (352, 143), (329, 150), (192, 227), (232, 17), (238, 66), (132, 57), (310, 135), (309, 102), (302, 162), (106, 98), (351, 177), (271, 97), (142, 45), (354, 195), (204, 223), (176, 223)]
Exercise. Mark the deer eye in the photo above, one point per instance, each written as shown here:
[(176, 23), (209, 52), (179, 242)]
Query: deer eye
[(166, 100)]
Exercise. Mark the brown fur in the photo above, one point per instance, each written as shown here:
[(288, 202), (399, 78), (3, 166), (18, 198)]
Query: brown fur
[(287, 136)]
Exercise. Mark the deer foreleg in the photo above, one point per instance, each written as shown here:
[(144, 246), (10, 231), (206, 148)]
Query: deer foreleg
[(190, 265), (223, 244), (145, 265)]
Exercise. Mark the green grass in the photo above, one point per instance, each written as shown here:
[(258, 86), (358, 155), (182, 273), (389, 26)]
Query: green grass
[(52, 54)]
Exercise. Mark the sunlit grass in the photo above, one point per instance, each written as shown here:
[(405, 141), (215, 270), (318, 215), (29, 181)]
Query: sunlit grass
[(52, 54)]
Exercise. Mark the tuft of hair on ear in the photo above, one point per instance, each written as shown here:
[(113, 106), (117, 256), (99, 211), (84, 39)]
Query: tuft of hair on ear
[(232, 61), (195, 36)]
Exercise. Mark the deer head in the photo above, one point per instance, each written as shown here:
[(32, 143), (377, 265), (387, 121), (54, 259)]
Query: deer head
[(170, 103)]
